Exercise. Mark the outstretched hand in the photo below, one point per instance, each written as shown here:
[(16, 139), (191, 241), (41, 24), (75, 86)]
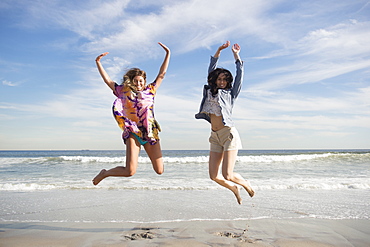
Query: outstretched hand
[(164, 47), (224, 46), (235, 48), (100, 56)]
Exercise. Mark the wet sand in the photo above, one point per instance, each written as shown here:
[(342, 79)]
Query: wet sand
[(263, 232)]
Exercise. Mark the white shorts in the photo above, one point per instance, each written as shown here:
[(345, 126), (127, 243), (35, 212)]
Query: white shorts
[(225, 139)]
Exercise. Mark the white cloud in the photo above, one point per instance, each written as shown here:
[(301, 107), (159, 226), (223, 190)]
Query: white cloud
[(9, 83), (339, 41), (287, 112), (304, 72), (83, 18), (356, 101), (187, 25), (322, 54)]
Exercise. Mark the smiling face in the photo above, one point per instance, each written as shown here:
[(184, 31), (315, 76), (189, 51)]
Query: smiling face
[(135, 78), (139, 82), (221, 81)]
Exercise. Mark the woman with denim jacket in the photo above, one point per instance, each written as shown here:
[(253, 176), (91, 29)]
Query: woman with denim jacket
[(216, 107)]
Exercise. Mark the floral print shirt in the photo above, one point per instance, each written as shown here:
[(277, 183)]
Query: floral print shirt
[(134, 112)]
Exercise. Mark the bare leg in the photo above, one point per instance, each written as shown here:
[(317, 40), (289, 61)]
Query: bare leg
[(155, 154), (132, 156), (214, 165), (228, 173)]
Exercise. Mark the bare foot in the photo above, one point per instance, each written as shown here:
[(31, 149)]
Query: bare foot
[(249, 189), (99, 177), (237, 194)]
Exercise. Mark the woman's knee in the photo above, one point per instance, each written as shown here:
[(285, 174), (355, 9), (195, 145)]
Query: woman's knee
[(214, 177), (131, 172), (159, 170), (228, 176)]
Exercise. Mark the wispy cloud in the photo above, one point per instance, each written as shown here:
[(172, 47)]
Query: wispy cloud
[(320, 55), (9, 83), (186, 25), (342, 40), (291, 112), (82, 18)]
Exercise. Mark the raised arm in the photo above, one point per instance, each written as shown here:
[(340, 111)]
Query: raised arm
[(102, 71), (238, 80), (214, 60), (164, 66), (223, 46)]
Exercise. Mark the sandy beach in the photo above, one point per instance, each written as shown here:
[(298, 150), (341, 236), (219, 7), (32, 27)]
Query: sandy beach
[(303, 198), (264, 232)]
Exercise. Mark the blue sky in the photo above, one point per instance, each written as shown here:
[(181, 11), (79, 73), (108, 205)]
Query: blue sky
[(306, 83)]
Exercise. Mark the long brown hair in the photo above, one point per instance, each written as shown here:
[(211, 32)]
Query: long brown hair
[(128, 78)]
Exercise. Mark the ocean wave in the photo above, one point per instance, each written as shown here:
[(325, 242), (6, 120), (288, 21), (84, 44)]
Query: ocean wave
[(257, 185), (89, 159), (5, 162), (299, 157), (168, 160), (241, 158), (176, 160), (314, 186), (44, 187), (199, 159), (26, 187)]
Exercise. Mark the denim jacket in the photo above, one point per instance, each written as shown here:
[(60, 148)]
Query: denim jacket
[(227, 97)]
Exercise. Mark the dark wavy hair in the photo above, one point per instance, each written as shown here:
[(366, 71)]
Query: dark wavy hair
[(212, 78)]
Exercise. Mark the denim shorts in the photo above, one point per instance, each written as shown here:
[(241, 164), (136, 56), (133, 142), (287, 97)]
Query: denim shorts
[(225, 139)]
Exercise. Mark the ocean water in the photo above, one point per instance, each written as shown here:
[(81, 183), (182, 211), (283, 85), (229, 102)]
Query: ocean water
[(55, 186)]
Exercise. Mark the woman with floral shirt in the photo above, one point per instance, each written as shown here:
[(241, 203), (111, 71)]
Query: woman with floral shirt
[(134, 113)]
